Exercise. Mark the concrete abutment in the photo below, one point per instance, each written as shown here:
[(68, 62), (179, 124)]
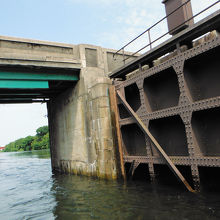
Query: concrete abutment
[(82, 132)]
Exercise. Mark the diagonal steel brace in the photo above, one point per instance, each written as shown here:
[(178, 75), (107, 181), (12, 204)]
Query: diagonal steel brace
[(157, 145)]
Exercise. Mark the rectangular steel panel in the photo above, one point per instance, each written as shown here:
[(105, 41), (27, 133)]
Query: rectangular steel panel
[(38, 76), (23, 84)]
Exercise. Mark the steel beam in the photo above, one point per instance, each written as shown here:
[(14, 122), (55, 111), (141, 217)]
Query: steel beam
[(23, 84), (6, 75), (113, 100)]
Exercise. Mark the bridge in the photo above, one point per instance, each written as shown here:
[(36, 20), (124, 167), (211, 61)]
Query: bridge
[(34, 71), (72, 80)]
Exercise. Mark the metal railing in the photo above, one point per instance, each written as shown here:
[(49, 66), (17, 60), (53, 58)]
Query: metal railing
[(163, 35)]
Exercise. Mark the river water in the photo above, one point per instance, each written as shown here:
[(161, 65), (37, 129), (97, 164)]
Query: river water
[(28, 190)]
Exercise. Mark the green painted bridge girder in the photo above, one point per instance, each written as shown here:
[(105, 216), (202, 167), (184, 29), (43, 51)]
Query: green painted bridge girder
[(5, 75), (23, 84)]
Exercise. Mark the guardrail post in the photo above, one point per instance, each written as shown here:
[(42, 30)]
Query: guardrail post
[(149, 39)]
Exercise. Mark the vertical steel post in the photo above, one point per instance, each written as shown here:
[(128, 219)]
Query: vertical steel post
[(123, 52), (114, 106), (149, 39)]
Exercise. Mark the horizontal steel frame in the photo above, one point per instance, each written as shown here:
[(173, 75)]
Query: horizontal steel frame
[(23, 84), (184, 109), (200, 105), (6, 75), (30, 84), (182, 161), (177, 62)]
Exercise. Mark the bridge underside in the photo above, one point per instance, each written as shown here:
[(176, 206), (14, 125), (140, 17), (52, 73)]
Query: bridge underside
[(27, 85)]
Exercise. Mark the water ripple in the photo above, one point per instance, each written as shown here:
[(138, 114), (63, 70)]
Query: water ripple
[(30, 191)]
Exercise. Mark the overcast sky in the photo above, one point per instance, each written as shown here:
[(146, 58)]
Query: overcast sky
[(107, 23)]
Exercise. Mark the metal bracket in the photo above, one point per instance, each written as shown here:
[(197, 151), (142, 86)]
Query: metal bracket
[(133, 167)]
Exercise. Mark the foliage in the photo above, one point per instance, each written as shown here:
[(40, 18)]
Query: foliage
[(38, 142), (42, 131)]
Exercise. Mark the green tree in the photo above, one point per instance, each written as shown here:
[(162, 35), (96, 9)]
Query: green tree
[(42, 131), (27, 143), (41, 143), (45, 141), (38, 142)]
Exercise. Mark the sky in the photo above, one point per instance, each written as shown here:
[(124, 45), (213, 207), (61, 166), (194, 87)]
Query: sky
[(106, 23)]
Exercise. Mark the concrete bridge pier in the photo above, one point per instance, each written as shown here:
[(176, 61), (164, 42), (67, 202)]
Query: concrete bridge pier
[(81, 130)]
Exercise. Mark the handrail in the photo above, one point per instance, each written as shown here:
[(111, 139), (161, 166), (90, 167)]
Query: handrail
[(151, 27), (148, 30)]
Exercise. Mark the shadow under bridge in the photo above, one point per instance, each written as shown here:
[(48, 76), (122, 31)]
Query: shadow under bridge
[(19, 84)]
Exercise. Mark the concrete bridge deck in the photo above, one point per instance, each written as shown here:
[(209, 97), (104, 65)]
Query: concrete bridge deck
[(32, 70)]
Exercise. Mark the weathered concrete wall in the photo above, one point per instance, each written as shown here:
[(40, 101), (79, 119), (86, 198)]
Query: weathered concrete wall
[(35, 53), (81, 129)]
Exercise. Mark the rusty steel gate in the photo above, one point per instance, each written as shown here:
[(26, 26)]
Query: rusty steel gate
[(177, 100)]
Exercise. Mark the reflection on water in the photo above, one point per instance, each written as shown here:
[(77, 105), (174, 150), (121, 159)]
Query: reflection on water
[(83, 198), (29, 191), (32, 154)]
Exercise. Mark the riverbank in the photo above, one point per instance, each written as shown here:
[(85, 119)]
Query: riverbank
[(38, 142)]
